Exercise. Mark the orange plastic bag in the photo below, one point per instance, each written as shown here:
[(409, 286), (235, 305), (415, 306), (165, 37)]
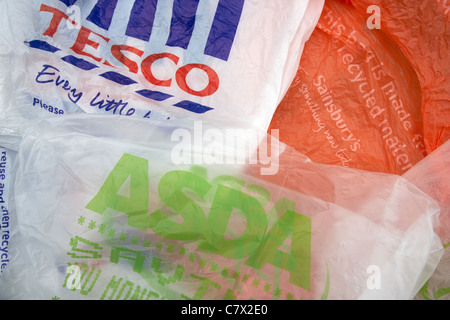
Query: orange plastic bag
[(356, 100), (420, 29)]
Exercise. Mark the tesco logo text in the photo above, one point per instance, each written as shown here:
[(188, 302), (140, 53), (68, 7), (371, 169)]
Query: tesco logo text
[(87, 42)]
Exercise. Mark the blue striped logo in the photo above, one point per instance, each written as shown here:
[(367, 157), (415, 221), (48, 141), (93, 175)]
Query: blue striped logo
[(221, 35)]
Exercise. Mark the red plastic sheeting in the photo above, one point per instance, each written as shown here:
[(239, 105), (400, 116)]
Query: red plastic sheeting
[(360, 99)]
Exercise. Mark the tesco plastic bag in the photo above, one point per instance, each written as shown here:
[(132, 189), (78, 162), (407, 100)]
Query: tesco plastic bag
[(205, 60), (420, 30), (109, 207), (356, 100)]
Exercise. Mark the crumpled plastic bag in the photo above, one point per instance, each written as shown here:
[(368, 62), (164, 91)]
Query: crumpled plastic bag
[(112, 207), (356, 100), (204, 60), (437, 286), (420, 30), (431, 176), (7, 160)]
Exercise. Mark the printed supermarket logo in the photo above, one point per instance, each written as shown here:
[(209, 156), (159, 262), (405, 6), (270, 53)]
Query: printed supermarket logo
[(142, 17), (87, 28), (141, 21), (255, 243)]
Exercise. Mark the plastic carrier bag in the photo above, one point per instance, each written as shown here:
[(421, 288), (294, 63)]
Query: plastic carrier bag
[(420, 30), (112, 207), (356, 100), (218, 59), (7, 159), (431, 176)]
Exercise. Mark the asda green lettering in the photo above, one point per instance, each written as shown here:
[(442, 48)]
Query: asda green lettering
[(136, 205), (170, 190), (225, 201), (253, 242), (136, 256), (298, 261), (84, 253)]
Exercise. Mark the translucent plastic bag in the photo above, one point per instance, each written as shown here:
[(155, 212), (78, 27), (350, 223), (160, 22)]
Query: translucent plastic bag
[(356, 100), (115, 208), (7, 158), (205, 60), (431, 176)]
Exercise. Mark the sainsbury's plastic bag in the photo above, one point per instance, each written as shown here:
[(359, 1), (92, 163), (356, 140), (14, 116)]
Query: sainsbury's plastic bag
[(205, 60), (420, 30), (111, 207), (356, 100)]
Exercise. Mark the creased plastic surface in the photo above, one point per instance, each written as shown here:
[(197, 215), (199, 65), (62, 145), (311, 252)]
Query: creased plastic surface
[(99, 215), (431, 176), (356, 100), (421, 30), (7, 160), (182, 59)]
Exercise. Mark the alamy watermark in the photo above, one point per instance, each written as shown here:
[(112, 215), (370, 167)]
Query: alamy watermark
[(73, 277), (374, 278), (74, 14), (233, 146), (374, 21), (445, 5)]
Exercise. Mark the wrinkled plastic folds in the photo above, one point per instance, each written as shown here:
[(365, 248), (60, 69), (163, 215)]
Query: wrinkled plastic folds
[(431, 176), (420, 29), (103, 211), (164, 60), (356, 101), (224, 149), (7, 160)]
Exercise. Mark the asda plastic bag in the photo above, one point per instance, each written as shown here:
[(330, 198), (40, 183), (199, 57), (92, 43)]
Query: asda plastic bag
[(420, 30), (205, 60), (114, 208), (355, 101)]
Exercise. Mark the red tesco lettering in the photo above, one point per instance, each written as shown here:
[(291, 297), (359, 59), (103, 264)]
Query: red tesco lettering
[(88, 39)]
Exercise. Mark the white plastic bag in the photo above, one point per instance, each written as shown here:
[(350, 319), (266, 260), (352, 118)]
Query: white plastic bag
[(208, 60), (105, 209), (431, 176), (7, 158)]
